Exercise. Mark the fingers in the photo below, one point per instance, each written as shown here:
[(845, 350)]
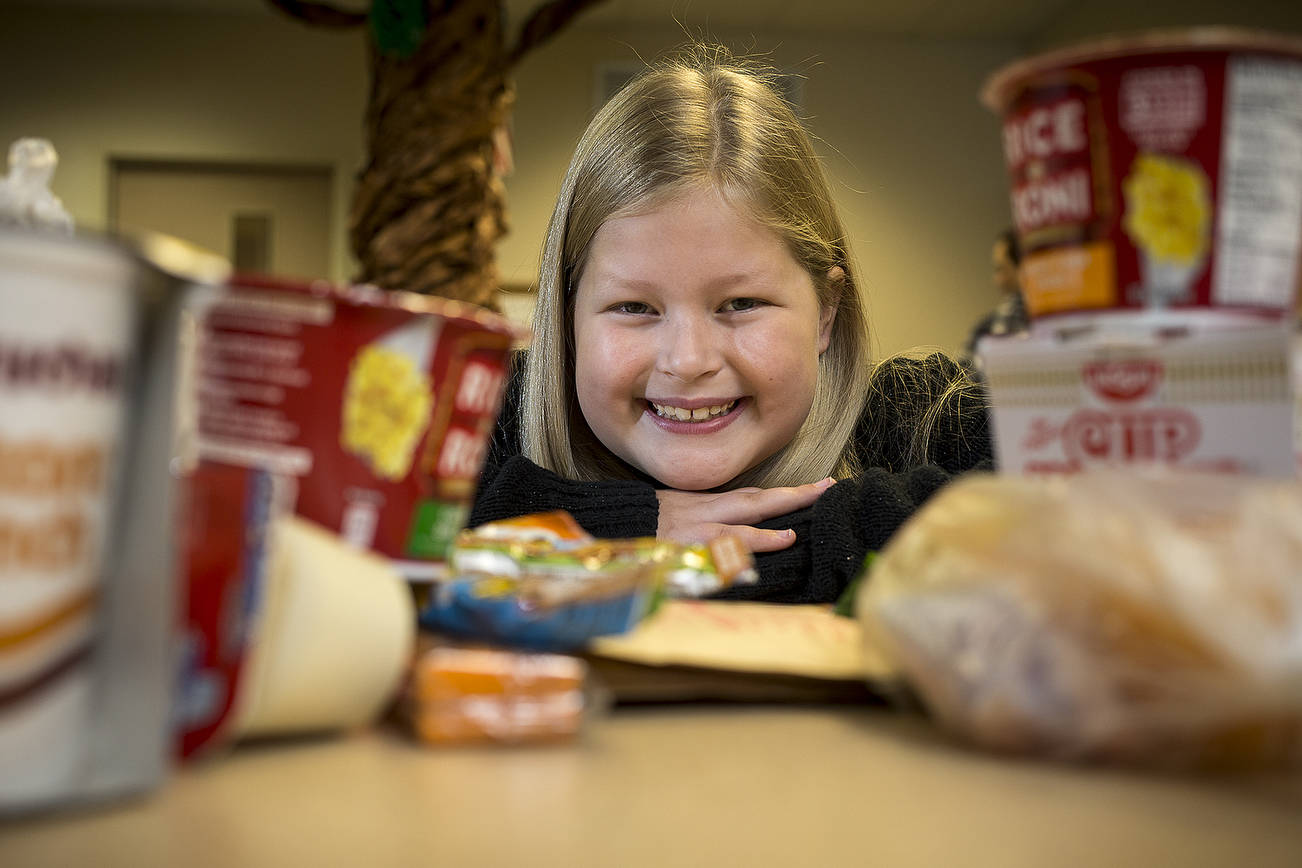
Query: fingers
[(690, 516), (758, 540), (752, 505)]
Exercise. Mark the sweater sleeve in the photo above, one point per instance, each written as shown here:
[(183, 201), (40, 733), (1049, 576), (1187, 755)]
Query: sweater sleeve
[(613, 509), (901, 472), (851, 519), (511, 485)]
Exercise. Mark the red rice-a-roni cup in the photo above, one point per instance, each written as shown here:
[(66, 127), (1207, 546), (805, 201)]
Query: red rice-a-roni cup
[(375, 405), (1157, 172)]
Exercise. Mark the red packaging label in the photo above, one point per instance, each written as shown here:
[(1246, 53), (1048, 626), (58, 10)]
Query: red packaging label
[(1169, 180), (227, 517), (380, 405)]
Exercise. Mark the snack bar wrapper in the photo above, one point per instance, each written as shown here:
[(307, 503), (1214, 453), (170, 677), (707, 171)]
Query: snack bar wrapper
[(1152, 621), (542, 582), (552, 540)]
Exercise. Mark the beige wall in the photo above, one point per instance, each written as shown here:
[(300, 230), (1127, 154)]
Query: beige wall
[(1084, 20), (250, 89)]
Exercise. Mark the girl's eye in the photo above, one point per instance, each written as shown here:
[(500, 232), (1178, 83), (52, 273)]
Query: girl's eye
[(633, 307), (741, 304)]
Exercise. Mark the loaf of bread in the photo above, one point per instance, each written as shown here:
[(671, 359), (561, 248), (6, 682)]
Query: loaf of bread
[(1135, 619)]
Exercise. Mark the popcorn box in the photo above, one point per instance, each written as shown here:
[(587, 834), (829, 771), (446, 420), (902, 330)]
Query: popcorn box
[(1157, 171), (1216, 401), (374, 407)]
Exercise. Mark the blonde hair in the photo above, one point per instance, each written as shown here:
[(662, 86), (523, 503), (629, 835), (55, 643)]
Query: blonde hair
[(702, 119)]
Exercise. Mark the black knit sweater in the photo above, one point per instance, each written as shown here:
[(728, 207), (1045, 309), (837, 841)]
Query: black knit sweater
[(850, 519)]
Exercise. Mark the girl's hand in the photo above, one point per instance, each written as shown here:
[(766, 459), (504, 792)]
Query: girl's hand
[(694, 516)]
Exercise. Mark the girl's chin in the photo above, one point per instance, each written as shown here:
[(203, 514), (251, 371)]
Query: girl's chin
[(705, 481)]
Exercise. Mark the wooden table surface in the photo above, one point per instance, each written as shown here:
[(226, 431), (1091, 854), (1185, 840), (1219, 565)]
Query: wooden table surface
[(685, 785)]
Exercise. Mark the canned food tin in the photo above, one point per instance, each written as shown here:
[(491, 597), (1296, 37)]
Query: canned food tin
[(1159, 172)]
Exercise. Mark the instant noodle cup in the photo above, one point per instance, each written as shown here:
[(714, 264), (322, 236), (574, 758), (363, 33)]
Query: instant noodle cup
[(371, 408), (1157, 173), (89, 354)]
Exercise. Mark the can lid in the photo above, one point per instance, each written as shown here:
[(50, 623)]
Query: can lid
[(84, 256), (1002, 85)]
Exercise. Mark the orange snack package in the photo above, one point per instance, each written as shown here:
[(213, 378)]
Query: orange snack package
[(461, 694)]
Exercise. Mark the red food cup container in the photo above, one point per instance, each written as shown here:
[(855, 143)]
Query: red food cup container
[(1157, 173), (365, 411), (374, 406)]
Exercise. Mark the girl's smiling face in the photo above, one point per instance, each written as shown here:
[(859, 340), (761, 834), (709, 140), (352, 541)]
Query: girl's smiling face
[(697, 337)]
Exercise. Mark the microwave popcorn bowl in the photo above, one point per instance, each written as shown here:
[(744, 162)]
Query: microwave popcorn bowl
[(372, 407), (1158, 174)]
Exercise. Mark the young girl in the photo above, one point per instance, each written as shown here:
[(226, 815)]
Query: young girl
[(701, 360)]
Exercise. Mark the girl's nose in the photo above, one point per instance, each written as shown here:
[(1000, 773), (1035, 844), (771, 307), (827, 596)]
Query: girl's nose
[(689, 349)]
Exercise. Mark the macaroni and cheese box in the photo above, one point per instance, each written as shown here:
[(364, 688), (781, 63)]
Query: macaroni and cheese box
[(374, 407), (1220, 400)]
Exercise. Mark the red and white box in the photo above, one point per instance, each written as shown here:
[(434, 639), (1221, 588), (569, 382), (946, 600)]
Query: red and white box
[(1213, 400)]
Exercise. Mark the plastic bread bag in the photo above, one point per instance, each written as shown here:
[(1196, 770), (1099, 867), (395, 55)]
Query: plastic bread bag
[(554, 541), (1146, 620)]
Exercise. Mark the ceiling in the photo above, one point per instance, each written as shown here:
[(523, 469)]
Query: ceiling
[(1014, 19)]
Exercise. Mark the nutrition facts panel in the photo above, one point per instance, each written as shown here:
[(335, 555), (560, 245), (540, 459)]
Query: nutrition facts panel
[(1260, 209)]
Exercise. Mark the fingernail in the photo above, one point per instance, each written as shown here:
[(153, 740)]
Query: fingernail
[(825, 484), (786, 534)]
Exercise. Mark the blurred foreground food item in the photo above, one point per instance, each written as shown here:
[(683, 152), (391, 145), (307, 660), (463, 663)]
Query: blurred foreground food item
[(1157, 173), (1156, 186), (1220, 400), (90, 347), (289, 629), (461, 694), (373, 407), (541, 582), (1148, 621), (333, 633)]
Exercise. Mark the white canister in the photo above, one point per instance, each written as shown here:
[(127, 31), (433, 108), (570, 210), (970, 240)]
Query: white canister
[(88, 350)]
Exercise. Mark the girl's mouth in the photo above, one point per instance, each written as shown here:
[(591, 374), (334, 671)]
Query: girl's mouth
[(705, 419), (692, 414)]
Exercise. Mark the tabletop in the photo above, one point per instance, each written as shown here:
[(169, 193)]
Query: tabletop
[(674, 785)]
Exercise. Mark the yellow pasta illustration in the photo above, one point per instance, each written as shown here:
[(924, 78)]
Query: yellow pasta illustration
[(386, 408), (1168, 209)]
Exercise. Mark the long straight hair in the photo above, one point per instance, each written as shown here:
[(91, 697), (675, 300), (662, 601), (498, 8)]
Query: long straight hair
[(700, 121)]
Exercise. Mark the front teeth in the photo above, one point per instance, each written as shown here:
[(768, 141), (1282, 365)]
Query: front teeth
[(682, 414)]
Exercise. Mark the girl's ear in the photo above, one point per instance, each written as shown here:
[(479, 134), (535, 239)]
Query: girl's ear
[(827, 316)]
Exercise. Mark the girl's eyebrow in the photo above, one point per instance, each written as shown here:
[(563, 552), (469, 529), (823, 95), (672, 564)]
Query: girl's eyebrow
[(723, 282)]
